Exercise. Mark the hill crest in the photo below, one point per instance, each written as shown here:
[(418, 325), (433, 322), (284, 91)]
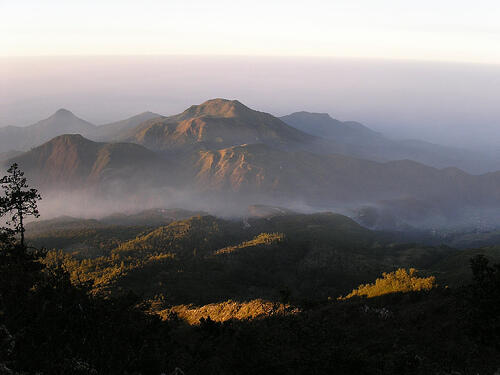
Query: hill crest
[(216, 123)]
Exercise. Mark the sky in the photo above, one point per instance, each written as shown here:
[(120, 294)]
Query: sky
[(411, 69), (437, 30)]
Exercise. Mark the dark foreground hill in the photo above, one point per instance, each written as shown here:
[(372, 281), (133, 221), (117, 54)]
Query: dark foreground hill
[(51, 325), (205, 259), (212, 291)]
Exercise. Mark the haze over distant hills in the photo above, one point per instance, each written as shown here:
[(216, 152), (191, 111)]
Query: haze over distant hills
[(220, 123), (63, 122), (226, 154), (377, 146), (110, 131), (444, 103), (322, 125), (337, 179)]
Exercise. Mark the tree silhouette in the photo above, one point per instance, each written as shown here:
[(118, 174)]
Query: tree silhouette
[(19, 201)]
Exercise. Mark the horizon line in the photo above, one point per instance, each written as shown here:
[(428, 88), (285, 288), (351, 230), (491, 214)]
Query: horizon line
[(255, 56)]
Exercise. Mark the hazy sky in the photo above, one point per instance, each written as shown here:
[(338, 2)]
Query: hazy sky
[(422, 69), (450, 103), (452, 30)]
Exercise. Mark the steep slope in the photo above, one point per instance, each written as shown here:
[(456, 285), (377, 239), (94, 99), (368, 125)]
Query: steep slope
[(109, 132), (71, 161), (323, 179), (356, 136), (61, 122), (215, 123)]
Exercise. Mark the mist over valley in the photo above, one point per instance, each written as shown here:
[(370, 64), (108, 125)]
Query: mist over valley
[(222, 156)]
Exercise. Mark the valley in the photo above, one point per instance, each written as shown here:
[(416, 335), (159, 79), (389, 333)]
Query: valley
[(224, 230)]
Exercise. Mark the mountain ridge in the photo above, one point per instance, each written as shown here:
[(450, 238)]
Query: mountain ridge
[(60, 122), (109, 131), (73, 161), (215, 123), (237, 176), (378, 147)]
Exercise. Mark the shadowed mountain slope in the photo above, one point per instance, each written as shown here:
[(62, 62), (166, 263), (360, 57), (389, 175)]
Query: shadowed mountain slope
[(337, 178), (74, 162)]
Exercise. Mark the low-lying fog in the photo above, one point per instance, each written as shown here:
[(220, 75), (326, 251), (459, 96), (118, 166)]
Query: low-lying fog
[(448, 103), (85, 204)]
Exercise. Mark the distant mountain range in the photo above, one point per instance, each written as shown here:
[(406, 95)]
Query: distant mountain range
[(318, 179), (322, 125), (224, 150), (378, 147), (220, 123), (13, 138), (256, 173), (110, 131), (62, 122)]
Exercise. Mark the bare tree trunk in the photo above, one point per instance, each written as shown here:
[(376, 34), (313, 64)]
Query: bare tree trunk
[(21, 228)]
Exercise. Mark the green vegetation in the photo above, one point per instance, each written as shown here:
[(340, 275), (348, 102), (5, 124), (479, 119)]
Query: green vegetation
[(219, 296), (19, 201), (49, 325), (264, 239), (399, 281), (226, 311), (205, 259)]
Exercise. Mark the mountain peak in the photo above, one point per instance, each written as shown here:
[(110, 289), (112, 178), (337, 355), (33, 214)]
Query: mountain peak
[(311, 114), (70, 138), (222, 101), (63, 112), (67, 140), (218, 108), (323, 125), (62, 121), (216, 123), (71, 160)]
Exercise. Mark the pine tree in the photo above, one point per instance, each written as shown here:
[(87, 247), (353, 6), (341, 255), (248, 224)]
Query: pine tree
[(19, 201)]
